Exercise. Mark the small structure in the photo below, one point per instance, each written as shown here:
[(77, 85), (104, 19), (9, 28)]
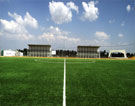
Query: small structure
[(117, 51), (17, 53), (2, 52), (39, 50), (88, 52), (53, 53), (11, 53)]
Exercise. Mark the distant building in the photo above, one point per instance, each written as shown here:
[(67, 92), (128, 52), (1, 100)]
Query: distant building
[(39, 50), (17, 53), (88, 52), (11, 53), (66, 53)]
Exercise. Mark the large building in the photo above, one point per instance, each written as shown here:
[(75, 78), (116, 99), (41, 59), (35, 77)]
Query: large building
[(88, 52), (39, 50)]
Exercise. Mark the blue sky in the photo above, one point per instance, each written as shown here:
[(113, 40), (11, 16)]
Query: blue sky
[(67, 23)]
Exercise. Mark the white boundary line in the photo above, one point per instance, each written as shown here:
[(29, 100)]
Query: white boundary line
[(72, 62), (64, 84)]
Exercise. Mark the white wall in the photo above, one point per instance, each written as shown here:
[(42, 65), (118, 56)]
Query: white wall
[(17, 53), (9, 53), (53, 52), (21, 54)]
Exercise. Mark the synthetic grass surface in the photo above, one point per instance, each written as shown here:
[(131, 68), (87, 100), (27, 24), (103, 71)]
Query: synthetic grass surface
[(26, 82), (39, 82), (103, 83)]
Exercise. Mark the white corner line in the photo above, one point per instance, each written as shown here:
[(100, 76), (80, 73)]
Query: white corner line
[(64, 84)]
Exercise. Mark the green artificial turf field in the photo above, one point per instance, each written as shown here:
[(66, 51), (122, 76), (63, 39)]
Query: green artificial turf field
[(24, 82), (39, 82), (103, 83)]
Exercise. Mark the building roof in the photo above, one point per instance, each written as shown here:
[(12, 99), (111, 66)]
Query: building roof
[(88, 46), (38, 45)]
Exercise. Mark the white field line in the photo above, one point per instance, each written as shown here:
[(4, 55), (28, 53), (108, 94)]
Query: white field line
[(64, 84), (73, 62)]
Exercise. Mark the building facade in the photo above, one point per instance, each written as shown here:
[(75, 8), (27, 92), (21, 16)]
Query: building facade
[(39, 50), (88, 52)]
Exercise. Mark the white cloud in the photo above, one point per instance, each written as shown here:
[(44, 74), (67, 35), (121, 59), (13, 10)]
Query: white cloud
[(27, 21), (101, 35), (16, 28), (61, 13), (120, 35), (55, 34), (30, 21), (12, 26), (11, 29), (128, 8), (73, 6), (57, 31), (91, 12), (60, 37), (47, 36)]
